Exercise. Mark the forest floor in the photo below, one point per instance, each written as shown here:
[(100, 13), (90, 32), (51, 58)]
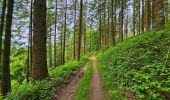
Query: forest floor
[(96, 90)]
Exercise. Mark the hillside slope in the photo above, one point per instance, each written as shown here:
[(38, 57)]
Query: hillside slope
[(140, 65)]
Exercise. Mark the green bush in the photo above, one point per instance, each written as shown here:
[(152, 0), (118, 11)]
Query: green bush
[(141, 63), (43, 90)]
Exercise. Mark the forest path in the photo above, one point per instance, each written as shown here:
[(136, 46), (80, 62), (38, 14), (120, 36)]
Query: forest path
[(96, 89), (68, 92)]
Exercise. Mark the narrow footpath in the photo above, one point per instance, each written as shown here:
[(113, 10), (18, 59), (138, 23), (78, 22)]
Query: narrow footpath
[(68, 92), (96, 89)]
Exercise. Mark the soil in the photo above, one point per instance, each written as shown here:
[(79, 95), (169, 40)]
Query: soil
[(96, 90), (67, 92)]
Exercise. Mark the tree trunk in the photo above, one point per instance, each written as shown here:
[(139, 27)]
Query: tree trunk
[(6, 83), (143, 15), (55, 37), (80, 29), (2, 27), (65, 25), (147, 15), (39, 67), (139, 18), (121, 21), (29, 63), (74, 34), (158, 14), (134, 18), (112, 24)]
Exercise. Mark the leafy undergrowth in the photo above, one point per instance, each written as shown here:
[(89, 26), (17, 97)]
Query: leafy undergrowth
[(83, 90), (141, 64), (43, 90)]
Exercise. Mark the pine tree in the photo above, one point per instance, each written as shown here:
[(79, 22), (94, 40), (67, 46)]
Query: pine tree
[(6, 83), (39, 67)]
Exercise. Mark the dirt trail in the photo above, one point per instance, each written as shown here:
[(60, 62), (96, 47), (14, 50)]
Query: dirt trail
[(96, 89), (68, 92)]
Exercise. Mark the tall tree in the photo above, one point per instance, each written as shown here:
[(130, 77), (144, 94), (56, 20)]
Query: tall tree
[(100, 23), (158, 14), (55, 36), (139, 17), (143, 16), (50, 33), (134, 17), (121, 20), (29, 63), (147, 15), (6, 83), (74, 34), (39, 67), (112, 24), (80, 29), (65, 30), (2, 25)]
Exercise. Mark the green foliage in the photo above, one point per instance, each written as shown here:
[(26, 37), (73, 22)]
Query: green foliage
[(83, 90), (43, 90), (141, 63), (18, 64)]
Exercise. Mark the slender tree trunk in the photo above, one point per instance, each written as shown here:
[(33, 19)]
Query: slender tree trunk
[(55, 37), (134, 18), (121, 21), (6, 83), (80, 29), (104, 25), (74, 44), (158, 14), (50, 46), (148, 15), (39, 67), (112, 24), (139, 18), (84, 24), (65, 25), (84, 36), (29, 65), (2, 27), (50, 35), (61, 45), (143, 16), (109, 24), (100, 27)]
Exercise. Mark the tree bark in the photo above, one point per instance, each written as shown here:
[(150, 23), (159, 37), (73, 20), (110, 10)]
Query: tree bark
[(158, 14), (65, 25), (134, 18), (6, 82), (55, 37), (80, 30), (29, 63), (139, 27), (2, 27), (148, 15), (74, 34), (143, 17), (112, 24), (39, 67), (121, 21)]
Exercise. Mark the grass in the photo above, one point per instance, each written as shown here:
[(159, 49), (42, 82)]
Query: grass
[(141, 64), (83, 90)]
